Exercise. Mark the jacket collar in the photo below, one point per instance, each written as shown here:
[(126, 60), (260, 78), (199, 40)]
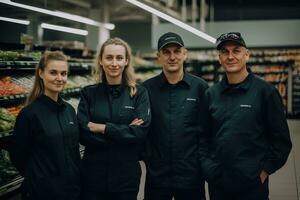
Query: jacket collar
[(114, 91), (187, 79), (53, 105), (244, 85)]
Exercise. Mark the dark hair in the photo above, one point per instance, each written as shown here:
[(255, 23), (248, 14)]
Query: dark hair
[(38, 86)]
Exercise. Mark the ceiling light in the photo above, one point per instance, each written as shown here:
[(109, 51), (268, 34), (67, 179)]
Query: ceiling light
[(173, 20), (18, 21), (64, 29), (64, 15)]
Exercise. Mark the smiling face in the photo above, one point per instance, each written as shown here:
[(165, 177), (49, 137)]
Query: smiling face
[(113, 62), (233, 58), (54, 77), (172, 57)]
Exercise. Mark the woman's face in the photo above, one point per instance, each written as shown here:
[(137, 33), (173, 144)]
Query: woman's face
[(114, 62), (54, 77)]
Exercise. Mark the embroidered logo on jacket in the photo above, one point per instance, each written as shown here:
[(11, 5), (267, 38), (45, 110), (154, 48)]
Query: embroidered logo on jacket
[(245, 106), (191, 99), (129, 107)]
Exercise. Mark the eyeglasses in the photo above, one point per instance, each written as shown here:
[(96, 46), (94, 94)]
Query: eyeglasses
[(226, 36)]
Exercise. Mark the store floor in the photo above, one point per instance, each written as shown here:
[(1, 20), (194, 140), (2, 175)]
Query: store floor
[(284, 184)]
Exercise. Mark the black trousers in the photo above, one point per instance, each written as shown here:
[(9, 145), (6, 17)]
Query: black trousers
[(257, 192), (94, 195), (178, 194)]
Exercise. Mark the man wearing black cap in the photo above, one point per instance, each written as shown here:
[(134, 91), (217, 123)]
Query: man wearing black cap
[(172, 162), (246, 132)]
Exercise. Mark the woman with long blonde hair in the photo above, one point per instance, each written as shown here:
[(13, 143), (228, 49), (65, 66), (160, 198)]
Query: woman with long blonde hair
[(45, 144), (113, 116)]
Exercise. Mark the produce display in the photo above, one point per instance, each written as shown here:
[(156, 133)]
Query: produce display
[(7, 120), (14, 110), (7, 87), (23, 79), (82, 81), (19, 55)]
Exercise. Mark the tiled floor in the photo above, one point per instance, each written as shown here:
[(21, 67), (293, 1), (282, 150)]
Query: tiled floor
[(284, 183)]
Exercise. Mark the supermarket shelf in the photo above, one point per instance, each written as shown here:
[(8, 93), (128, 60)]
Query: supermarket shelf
[(20, 98), (30, 65), (270, 72), (139, 68), (5, 133), (12, 99), (71, 92), (11, 186)]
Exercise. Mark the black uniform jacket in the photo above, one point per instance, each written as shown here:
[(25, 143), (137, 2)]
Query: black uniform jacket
[(173, 139), (246, 132), (45, 150), (111, 160)]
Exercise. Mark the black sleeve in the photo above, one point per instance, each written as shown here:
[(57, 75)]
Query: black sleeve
[(125, 133), (83, 116), (278, 133), (21, 142), (209, 165)]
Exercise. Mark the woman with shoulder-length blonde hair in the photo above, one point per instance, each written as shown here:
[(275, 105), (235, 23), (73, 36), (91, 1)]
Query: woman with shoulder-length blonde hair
[(114, 116), (128, 76), (45, 142)]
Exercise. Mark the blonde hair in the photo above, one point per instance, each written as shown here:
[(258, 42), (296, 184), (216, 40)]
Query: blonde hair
[(128, 76), (38, 86)]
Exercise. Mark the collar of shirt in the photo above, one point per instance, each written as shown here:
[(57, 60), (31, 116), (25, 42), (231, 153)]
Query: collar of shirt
[(187, 80), (53, 105), (244, 85), (114, 91)]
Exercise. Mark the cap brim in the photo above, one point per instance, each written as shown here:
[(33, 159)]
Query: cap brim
[(219, 46), (170, 42)]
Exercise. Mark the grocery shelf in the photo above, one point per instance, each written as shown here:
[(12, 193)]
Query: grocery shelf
[(11, 185), (20, 98), (5, 133), (12, 99), (139, 68), (31, 65), (71, 92)]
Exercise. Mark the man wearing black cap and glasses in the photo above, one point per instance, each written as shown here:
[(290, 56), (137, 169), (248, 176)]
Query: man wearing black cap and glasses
[(172, 162), (246, 132)]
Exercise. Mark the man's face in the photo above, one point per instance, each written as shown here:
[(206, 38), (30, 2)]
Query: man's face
[(233, 57), (172, 57)]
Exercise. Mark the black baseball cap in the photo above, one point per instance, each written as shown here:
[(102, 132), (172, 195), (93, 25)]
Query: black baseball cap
[(169, 38), (231, 36)]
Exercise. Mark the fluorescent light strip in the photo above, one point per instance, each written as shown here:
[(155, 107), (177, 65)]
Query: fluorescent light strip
[(173, 20), (18, 21), (60, 14), (64, 29)]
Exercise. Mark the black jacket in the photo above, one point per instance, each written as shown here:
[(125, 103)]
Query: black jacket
[(45, 150), (111, 160), (173, 139), (246, 132)]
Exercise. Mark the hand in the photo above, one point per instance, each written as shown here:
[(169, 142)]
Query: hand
[(137, 122), (96, 128), (263, 176)]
